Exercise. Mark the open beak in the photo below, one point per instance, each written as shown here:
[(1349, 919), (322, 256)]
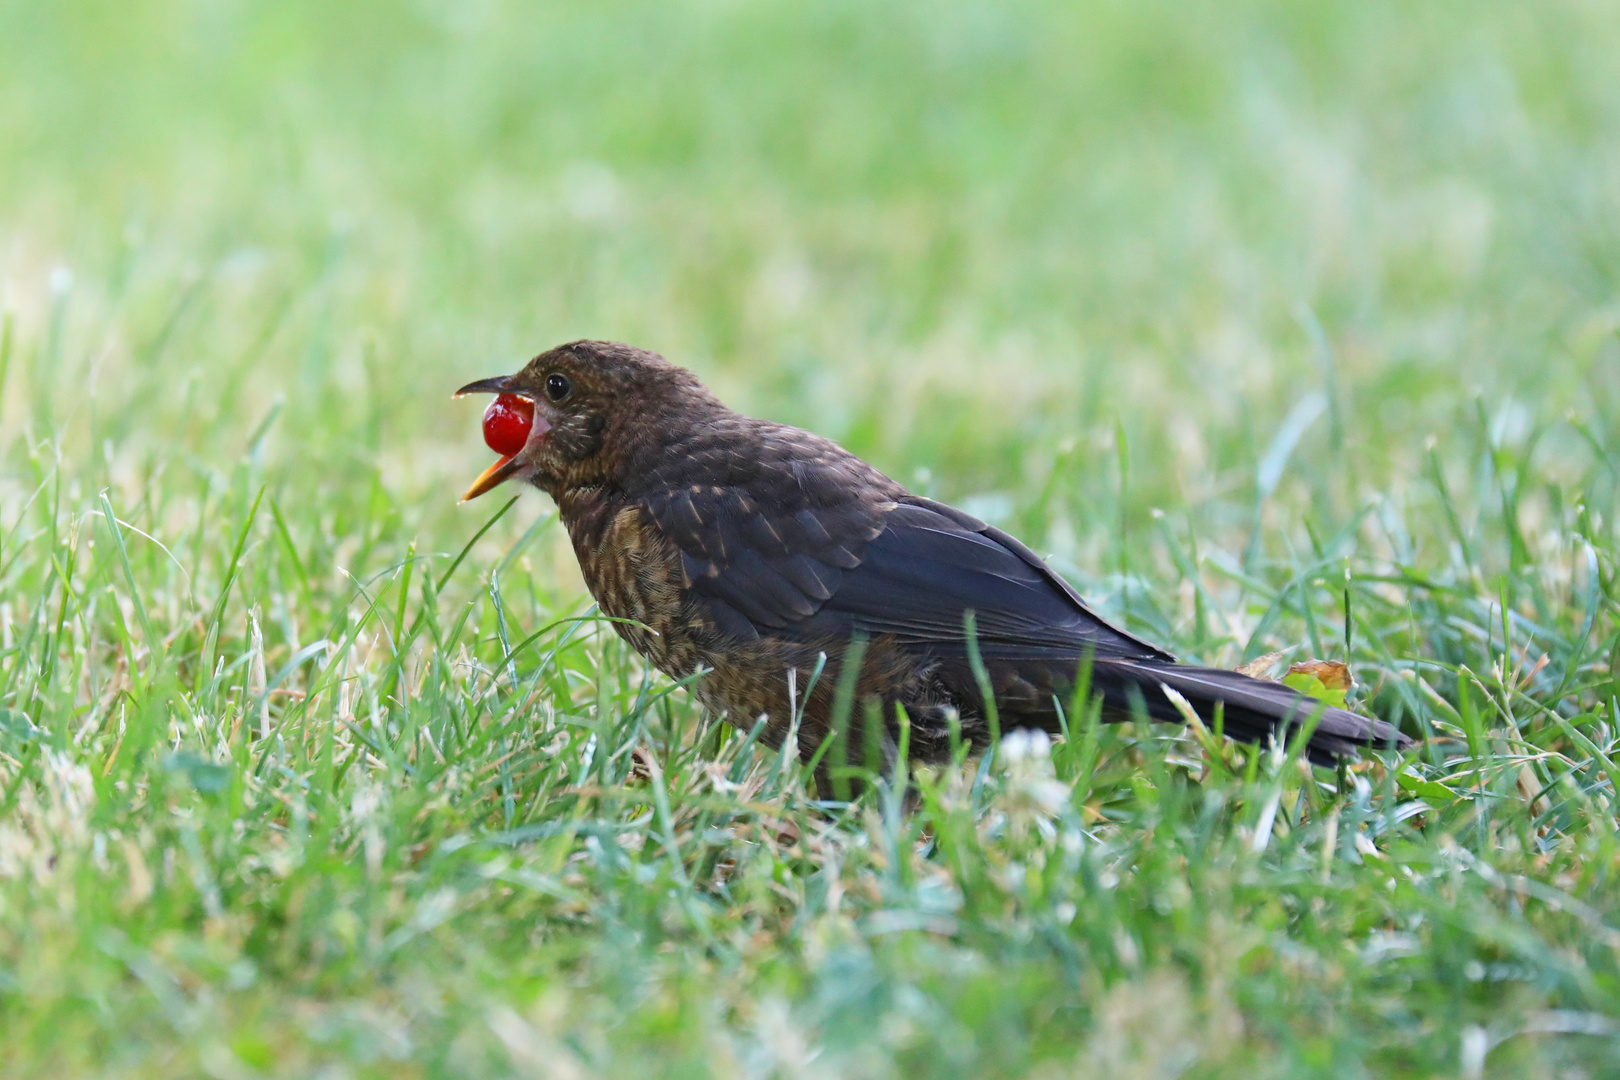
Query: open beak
[(502, 470), (492, 477)]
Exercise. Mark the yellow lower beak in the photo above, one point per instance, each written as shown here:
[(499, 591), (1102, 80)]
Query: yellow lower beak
[(492, 477)]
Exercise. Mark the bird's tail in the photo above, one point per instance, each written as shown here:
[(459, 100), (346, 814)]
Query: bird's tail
[(1254, 709)]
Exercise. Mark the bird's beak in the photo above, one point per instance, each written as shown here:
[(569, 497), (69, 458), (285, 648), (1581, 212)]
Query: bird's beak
[(492, 477), (499, 384), (498, 473)]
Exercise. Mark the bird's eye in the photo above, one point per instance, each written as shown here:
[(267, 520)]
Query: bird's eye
[(558, 386)]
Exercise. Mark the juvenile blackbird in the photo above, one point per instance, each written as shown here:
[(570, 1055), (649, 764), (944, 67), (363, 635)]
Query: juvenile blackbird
[(750, 549)]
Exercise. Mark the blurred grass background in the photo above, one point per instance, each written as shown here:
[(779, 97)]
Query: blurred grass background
[(1215, 303), (953, 236)]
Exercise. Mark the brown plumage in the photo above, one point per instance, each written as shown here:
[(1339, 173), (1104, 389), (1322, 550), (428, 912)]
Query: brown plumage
[(752, 549)]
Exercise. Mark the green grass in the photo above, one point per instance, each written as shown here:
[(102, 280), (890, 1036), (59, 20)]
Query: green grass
[(1277, 325)]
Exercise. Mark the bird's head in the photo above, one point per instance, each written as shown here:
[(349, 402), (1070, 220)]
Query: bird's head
[(575, 414)]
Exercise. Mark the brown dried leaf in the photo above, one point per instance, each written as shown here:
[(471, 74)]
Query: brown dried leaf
[(1331, 673)]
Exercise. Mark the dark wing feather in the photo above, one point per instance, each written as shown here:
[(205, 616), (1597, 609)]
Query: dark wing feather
[(763, 551), (795, 556), (933, 563)]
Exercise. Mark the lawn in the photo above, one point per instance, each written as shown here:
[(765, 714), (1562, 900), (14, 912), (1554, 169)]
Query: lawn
[(1279, 327)]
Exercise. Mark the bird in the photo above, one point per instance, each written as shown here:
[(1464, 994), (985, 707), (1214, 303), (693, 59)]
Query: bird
[(806, 595)]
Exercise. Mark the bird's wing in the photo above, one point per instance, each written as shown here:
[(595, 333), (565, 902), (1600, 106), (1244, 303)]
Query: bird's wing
[(765, 541), (801, 552), (932, 564)]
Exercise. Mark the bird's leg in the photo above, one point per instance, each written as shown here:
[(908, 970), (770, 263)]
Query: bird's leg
[(859, 751)]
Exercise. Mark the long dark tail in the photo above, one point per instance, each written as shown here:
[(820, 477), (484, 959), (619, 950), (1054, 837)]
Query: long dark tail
[(1254, 708)]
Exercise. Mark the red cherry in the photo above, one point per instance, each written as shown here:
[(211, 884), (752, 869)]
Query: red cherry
[(507, 422)]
